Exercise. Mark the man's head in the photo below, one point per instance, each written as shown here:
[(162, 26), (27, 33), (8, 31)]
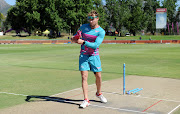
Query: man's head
[(93, 18)]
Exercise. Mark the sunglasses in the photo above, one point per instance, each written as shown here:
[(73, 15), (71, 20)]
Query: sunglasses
[(91, 17)]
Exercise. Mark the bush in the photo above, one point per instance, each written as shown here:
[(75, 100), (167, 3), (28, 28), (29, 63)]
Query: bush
[(123, 32)]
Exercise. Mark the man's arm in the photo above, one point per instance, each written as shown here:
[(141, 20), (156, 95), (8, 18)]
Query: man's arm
[(75, 37), (95, 44)]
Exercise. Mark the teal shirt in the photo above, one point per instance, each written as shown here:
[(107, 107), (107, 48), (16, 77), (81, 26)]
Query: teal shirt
[(93, 38)]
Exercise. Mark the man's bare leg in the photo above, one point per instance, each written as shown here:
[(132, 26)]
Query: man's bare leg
[(84, 75), (98, 82)]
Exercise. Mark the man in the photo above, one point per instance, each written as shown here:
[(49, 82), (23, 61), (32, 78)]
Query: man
[(92, 37)]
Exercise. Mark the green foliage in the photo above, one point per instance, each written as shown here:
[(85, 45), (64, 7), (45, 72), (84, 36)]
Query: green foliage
[(112, 12), (171, 8), (1, 17), (136, 15), (150, 16), (24, 15), (136, 20), (49, 16), (124, 14), (178, 15), (12, 18), (123, 32), (128, 14), (133, 15), (172, 17), (99, 7), (74, 12), (35, 14)]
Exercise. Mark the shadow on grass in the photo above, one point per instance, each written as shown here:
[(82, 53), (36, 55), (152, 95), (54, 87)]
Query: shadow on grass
[(57, 99), (49, 37), (20, 35)]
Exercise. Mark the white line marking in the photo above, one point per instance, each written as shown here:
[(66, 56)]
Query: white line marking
[(74, 89), (50, 96), (13, 94), (174, 109), (65, 92), (115, 93), (127, 110), (157, 99), (105, 106)]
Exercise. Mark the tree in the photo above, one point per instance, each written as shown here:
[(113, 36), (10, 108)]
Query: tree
[(124, 14), (49, 17), (112, 12), (35, 14), (118, 13), (1, 16), (150, 7), (53, 14), (171, 9), (74, 12), (102, 13), (23, 15), (1, 19), (178, 15), (13, 18), (136, 21)]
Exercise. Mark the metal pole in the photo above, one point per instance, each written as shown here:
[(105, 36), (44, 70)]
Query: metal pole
[(124, 78)]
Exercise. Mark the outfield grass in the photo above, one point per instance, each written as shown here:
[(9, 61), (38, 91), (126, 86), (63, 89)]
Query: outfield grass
[(32, 37), (50, 69), (177, 111), (146, 37), (65, 37)]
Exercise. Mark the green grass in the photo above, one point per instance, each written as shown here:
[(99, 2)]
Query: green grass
[(65, 37), (50, 69), (32, 37), (13, 37), (153, 37), (177, 111), (149, 60)]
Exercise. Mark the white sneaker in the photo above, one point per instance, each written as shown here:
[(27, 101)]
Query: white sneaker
[(101, 97), (84, 104)]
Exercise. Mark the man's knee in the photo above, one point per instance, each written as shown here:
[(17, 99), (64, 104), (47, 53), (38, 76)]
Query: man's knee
[(84, 75), (97, 74)]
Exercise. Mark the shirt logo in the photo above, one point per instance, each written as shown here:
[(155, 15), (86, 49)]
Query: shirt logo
[(96, 31)]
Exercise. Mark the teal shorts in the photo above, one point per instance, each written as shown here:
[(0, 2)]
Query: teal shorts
[(88, 62)]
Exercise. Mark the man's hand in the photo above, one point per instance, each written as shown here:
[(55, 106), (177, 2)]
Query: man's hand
[(76, 37), (80, 41), (73, 39)]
